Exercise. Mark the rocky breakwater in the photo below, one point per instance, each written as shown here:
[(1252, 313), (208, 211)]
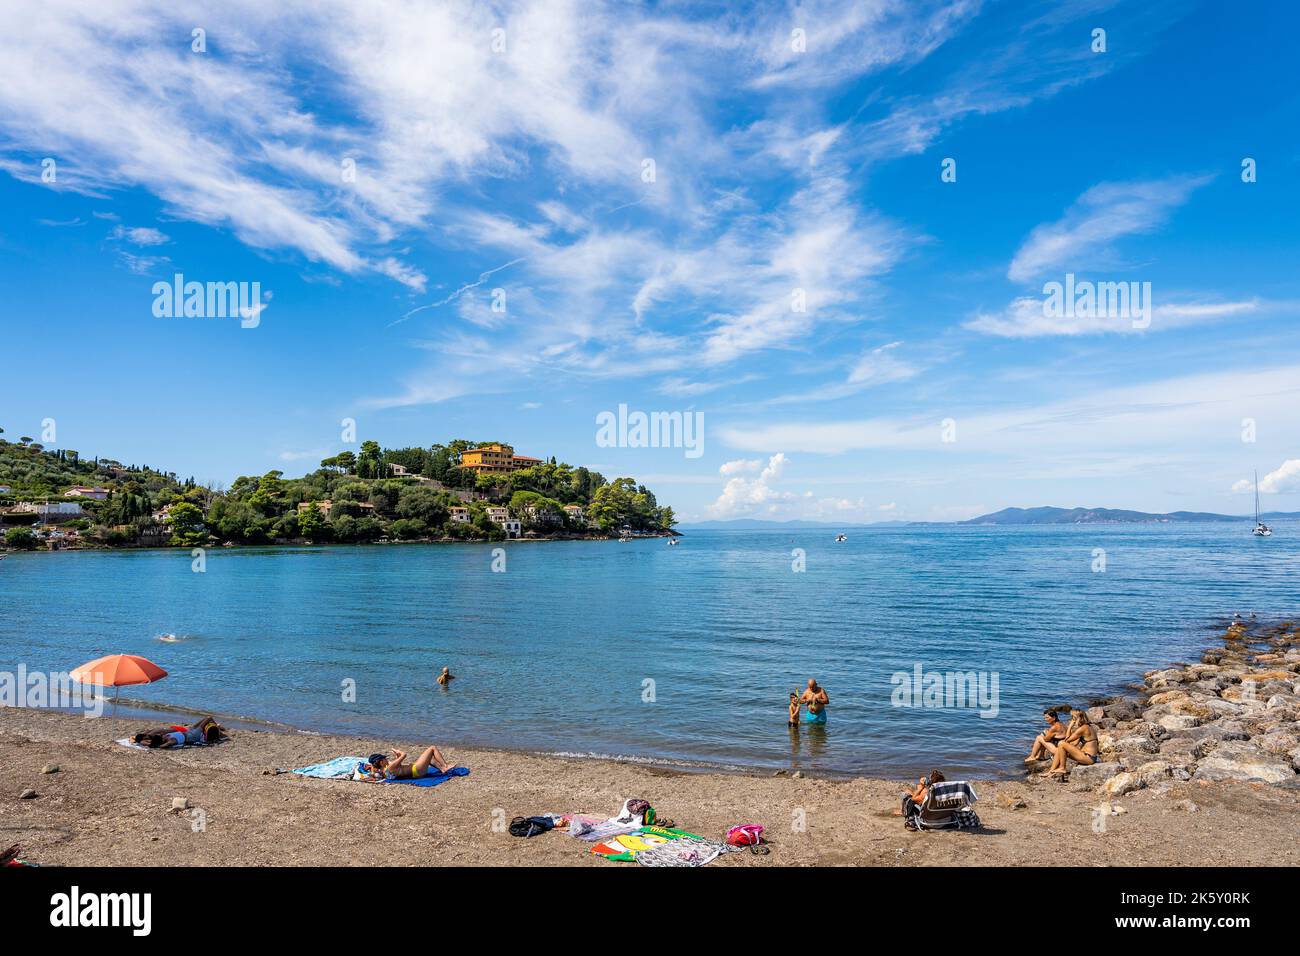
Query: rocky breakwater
[(1233, 716)]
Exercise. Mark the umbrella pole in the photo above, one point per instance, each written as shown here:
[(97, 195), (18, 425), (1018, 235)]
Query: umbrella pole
[(116, 695)]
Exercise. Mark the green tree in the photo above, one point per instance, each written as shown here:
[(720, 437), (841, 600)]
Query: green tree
[(188, 528), (20, 538)]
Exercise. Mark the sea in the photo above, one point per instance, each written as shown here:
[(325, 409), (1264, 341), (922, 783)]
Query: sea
[(939, 645)]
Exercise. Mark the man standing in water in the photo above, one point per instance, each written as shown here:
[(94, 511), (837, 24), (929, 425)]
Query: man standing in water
[(816, 699)]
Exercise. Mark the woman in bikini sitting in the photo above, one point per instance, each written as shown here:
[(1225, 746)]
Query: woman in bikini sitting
[(1080, 744), (380, 767)]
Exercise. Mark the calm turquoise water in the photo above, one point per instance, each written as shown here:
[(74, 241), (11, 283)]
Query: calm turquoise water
[(554, 652)]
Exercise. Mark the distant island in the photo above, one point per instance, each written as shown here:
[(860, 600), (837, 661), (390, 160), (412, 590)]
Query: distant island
[(459, 491), (1106, 516), (1007, 516)]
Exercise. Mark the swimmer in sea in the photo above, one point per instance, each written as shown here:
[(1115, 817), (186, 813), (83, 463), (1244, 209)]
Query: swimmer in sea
[(794, 710), (446, 677)]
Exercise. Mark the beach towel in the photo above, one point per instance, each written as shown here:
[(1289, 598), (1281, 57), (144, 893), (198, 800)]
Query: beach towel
[(626, 847), (349, 768), (947, 807), (337, 769), (626, 821), (685, 851), (132, 745)]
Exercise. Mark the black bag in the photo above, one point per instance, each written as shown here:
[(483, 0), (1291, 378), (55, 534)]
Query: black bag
[(530, 826)]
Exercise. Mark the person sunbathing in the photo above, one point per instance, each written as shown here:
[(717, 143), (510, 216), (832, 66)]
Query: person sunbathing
[(1080, 744), (380, 767), (203, 731), (1045, 743)]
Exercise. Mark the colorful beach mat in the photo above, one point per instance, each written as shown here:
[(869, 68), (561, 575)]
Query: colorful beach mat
[(625, 847)]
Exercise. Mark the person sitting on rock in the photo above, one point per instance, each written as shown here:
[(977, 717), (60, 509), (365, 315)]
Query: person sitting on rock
[(1080, 745), (1046, 742)]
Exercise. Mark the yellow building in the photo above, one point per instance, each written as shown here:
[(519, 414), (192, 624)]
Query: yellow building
[(495, 459)]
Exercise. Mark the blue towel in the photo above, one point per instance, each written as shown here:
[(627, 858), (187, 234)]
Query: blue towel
[(342, 768), (435, 778)]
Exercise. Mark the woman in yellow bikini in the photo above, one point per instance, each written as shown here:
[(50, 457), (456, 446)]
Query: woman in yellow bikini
[(381, 767)]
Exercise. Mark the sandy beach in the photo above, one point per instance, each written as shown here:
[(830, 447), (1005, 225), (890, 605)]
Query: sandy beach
[(107, 805)]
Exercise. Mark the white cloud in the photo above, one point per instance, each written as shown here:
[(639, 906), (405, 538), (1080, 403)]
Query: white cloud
[(1168, 413), (744, 496), (1026, 318), (141, 235), (1082, 239), (1284, 480)]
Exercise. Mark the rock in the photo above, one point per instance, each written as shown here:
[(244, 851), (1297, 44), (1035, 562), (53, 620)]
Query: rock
[(1152, 772), (1137, 744), (1096, 713), (1178, 721), (1277, 742), (1187, 805), (180, 803), (1122, 709), (1188, 748), (28, 794), (1093, 775), (1295, 759), (1235, 760), (50, 768), (1121, 784), (1010, 802), (797, 775)]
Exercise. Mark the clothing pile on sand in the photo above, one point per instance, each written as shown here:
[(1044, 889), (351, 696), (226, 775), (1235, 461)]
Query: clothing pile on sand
[(637, 834)]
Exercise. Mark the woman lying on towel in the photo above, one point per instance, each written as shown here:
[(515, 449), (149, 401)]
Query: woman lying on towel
[(204, 731), (379, 767), (1079, 744)]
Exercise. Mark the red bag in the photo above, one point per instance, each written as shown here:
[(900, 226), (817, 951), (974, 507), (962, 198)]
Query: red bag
[(748, 834)]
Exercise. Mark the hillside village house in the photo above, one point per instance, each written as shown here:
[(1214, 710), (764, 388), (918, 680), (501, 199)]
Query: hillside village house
[(81, 491), (495, 459), (459, 514), (497, 515), (574, 512), (322, 506), (50, 509)]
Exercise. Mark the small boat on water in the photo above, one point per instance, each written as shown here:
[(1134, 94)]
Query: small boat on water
[(673, 541), (841, 537), (1261, 530)]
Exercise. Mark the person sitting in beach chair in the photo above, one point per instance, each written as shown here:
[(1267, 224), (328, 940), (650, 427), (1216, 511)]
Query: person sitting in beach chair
[(1079, 744), (1045, 744), (943, 805), (380, 767), (206, 730)]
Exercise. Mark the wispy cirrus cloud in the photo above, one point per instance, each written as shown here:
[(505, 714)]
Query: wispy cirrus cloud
[(1084, 238)]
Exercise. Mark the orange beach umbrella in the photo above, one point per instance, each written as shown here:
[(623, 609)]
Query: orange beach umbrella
[(118, 670)]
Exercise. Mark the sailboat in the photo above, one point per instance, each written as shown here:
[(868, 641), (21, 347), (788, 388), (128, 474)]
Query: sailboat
[(1261, 529)]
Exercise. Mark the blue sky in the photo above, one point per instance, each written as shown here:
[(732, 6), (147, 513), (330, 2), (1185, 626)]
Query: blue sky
[(785, 165)]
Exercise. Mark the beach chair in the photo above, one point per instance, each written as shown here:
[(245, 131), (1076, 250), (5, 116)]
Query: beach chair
[(947, 807)]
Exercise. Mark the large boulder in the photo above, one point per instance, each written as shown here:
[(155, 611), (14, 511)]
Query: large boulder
[(1153, 772), (1123, 708), (1093, 775), (1175, 722), (1185, 748), (1238, 760), (1122, 783)]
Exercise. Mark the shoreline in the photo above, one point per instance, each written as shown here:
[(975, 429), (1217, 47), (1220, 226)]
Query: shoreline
[(1014, 768), (108, 805), (670, 533)]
